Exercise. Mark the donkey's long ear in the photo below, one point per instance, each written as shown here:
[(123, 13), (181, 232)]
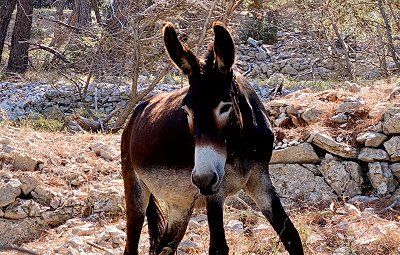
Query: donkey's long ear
[(180, 54), (223, 47)]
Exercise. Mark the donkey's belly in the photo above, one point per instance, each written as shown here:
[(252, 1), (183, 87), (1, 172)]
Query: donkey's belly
[(175, 187)]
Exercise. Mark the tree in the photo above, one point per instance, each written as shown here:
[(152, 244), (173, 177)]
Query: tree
[(80, 16), (389, 35), (18, 61), (6, 10)]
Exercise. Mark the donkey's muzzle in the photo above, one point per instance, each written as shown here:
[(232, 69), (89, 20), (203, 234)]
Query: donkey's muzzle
[(206, 183)]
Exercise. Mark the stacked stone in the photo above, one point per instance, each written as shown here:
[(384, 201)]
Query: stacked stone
[(339, 169)]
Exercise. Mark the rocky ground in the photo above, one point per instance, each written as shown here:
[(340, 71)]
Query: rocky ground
[(68, 199), (62, 193)]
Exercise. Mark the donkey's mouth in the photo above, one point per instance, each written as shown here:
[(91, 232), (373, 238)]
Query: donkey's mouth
[(208, 192)]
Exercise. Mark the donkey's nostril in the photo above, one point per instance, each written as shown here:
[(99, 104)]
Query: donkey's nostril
[(214, 180)]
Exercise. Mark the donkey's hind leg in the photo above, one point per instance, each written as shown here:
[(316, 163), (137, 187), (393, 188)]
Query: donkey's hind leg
[(136, 198), (178, 219), (260, 189)]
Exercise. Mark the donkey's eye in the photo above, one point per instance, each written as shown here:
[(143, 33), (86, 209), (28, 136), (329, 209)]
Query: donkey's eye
[(225, 108)]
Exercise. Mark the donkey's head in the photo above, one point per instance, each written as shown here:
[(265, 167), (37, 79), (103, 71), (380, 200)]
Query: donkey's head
[(208, 103)]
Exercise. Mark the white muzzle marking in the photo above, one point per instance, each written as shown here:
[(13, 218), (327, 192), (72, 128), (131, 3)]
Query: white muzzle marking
[(207, 162)]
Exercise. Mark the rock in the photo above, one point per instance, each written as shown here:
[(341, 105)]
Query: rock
[(372, 155), (84, 230), (297, 183), (371, 139), (5, 140), (352, 209), (9, 191), (25, 162), (43, 195), (22, 208), (359, 199), (235, 226), (81, 159), (350, 106), (103, 151), (287, 69), (188, 245), (391, 123), (352, 87), (344, 177), (302, 154), (282, 121), (276, 80), (113, 235), (393, 148), (108, 200), (395, 168), (327, 143), (381, 178), (311, 115), (28, 181), (340, 118)]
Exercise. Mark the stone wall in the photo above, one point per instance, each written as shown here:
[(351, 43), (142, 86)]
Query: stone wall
[(318, 167), (298, 57)]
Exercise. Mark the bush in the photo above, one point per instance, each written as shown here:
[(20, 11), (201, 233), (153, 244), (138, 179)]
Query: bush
[(260, 26)]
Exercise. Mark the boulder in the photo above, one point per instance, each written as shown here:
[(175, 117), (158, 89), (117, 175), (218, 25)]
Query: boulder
[(344, 177), (282, 121), (393, 148), (43, 195), (352, 87), (395, 168), (351, 105), (28, 181), (327, 143), (371, 139), (381, 178), (296, 183), (103, 151), (22, 208), (372, 155), (340, 118), (303, 154), (25, 162), (235, 226), (391, 123), (108, 200), (312, 115), (9, 191)]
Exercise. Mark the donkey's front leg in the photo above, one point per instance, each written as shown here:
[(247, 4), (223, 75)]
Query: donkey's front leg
[(259, 187), (215, 207), (178, 219)]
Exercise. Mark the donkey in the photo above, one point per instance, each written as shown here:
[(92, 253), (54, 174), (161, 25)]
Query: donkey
[(194, 147)]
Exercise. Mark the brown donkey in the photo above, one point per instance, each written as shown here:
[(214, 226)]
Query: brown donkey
[(196, 146)]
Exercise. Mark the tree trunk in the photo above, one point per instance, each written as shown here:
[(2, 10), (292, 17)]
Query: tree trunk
[(80, 16), (18, 61), (349, 67), (6, 11), (58, 38), (389, 35), (394, 17), (381, 51), (95, 7)]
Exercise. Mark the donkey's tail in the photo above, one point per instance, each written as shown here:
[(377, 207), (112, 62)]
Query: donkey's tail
[(156, 223)]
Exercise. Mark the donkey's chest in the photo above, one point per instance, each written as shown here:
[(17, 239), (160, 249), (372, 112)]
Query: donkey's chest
[(174, 185)]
